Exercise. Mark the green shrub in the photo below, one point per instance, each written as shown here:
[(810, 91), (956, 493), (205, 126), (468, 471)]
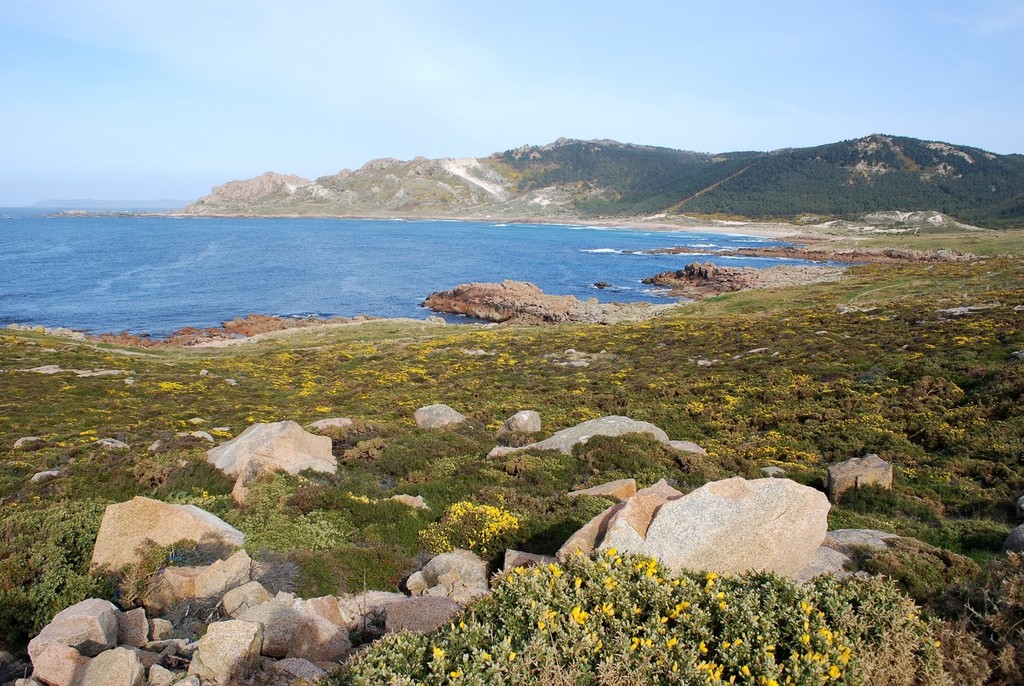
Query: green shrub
[(621, 620), (44, 565), (270, 524), (929, 575)]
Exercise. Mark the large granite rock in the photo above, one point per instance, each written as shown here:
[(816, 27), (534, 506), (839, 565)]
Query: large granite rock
[(870, 470), (227, 653), (848, 541), (90, 627), (128, 527), (283, 446), (437, 417), (133, 628), (589, 536), (612, 425), (735, 525)]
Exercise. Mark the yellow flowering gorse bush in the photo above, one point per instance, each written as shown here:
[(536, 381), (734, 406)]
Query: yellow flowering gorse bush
[(622, 619), (483, 529)]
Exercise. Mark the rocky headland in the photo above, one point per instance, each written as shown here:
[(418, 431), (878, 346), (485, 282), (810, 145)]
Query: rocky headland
[(520, 302), (701, 280)]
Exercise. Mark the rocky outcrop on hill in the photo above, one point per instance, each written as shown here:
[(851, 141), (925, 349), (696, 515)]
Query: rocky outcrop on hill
[(520, 302), (700, 280), (267, 188)]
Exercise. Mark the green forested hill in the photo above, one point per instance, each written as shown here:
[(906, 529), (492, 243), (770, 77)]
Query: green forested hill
[(847, 178)]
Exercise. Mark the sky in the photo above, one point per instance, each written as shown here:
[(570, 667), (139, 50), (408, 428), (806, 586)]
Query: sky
[(142, 99)]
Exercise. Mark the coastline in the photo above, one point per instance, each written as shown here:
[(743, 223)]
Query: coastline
[(754, 229)]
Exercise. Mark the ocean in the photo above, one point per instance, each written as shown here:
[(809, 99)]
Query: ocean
[(156, 274)]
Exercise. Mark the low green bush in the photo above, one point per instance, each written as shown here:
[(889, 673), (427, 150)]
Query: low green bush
[(44, 565)]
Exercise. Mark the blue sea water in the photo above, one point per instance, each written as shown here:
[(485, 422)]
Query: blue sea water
[(155, 274)]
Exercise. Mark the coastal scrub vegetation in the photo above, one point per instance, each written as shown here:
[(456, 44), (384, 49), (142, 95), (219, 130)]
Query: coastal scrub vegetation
[(918, 363)]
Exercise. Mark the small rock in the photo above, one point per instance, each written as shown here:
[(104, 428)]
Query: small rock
[(326, 607), (1014, 543), (228, 653), (204, 372), (500, 451), (622, 489), (870, 470), (416, 502), (825, 561), (111, 444), (417, 584), (687, 447), (238, 600), (155, 447), (196, 421), (160, 629), (611, 425), (161, 676), (58, 665), (517, 558), (296, 668), (773, 472), (846, 540), (331, 423), (421, 615), (25, 441), (437, 417), (224, 575), (44, 476), (524, 421), (202, 435), (230, 382), (133, 628)]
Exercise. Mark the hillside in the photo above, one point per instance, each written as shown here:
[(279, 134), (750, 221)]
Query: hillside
[(573, 179)]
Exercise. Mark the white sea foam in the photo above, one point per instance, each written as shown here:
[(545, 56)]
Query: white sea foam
[(601, 250)]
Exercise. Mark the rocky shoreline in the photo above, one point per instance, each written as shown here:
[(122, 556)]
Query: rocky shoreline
[(520, 302), (873, 255)]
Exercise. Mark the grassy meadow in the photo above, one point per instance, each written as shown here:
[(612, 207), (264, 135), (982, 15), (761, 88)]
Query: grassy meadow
[(799, 378)]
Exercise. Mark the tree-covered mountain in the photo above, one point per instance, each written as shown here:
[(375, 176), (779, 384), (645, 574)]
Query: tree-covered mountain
[(590, 179)]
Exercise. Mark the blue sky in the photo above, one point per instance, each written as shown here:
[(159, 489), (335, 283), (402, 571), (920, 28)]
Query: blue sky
[(134, 99)]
